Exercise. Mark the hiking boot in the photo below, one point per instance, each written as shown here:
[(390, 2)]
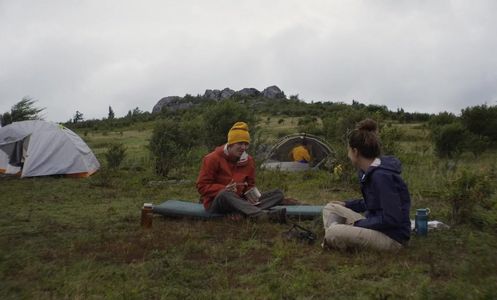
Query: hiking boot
[(277, 215)]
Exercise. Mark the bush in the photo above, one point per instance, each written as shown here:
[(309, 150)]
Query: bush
[(442, 119), (309, 124), (339, 124), (192, 130), (477, 144), (115, 155), (168, 144), (467, 193), (481, 120), (219, 118), (103, 178), (390, 137), (449, 140)]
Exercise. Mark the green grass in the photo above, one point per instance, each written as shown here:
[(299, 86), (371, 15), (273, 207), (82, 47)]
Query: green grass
[(81, 239)]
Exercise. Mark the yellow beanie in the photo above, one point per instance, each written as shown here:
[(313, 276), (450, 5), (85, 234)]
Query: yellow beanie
[(239, 133)]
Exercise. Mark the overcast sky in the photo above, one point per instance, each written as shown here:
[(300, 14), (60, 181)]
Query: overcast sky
[(426, 56)]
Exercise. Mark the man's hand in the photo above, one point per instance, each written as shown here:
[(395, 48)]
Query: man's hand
[(231, 187), (338, 202)]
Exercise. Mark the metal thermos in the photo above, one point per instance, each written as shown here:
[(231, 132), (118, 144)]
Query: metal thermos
[(421, 221)]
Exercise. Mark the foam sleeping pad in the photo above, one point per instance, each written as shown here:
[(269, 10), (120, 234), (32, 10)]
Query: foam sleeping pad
[(179, 208)]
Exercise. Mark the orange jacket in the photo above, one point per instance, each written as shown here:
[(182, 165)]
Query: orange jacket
[(219, 169)]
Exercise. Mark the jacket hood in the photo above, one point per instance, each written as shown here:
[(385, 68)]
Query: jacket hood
[(388, 163)]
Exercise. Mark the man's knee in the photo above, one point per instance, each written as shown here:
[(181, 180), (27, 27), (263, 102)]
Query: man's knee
[(225, 195)]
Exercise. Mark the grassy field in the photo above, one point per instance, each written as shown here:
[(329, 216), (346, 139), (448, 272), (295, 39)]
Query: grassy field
[(81, 238)]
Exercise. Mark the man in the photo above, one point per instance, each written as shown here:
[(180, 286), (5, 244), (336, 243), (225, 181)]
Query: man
[(228, 173), (300, 153)]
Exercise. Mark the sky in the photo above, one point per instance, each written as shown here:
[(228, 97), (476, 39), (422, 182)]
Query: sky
[(424, 56)]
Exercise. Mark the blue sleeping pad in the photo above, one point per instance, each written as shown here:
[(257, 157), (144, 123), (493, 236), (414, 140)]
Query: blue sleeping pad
[(179, 208)]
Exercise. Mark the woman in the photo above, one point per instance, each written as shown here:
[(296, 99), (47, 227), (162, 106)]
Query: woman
[(385, 204)]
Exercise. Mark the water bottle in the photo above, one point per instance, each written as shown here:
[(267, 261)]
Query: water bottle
[(147, 215), (421, 223)]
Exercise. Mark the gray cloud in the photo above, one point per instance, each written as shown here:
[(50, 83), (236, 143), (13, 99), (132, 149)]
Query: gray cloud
[(425, 56)]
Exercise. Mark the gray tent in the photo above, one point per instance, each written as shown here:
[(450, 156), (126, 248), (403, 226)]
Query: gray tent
[(38, 148), (279, 156)]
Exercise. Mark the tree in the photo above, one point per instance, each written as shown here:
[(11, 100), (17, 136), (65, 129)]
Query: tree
[(21, 111), (5, 119), (137, 111), (111, 113), (219, 118), (115, 155), (450, 139), (481, 120), (78, 117), (168, 145)]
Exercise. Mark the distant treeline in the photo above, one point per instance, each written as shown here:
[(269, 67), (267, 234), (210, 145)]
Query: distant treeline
[(292, 107)]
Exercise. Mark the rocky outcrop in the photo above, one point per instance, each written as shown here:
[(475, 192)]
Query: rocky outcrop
[(212, 94), (172, 103), (175, 103), (227, 93), (248, 92), (273, 92)]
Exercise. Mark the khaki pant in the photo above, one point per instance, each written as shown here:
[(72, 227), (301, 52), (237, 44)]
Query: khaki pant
[(340, 233)]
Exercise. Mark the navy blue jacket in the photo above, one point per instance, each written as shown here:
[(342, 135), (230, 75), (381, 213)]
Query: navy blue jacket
[(386, 200)]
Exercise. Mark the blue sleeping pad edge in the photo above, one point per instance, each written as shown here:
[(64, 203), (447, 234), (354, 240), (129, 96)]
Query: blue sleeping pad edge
[(179, 208)]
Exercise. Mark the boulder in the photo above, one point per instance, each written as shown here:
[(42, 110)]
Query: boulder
[(212, 94), (248, 92), (227, 93), (171, 102), (273, 92)]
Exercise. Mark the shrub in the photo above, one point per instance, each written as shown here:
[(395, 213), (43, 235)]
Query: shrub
[(339, 124), (441, 119), (467, 192), (168, 144), (390, 137), (481, 120), (310, 125), (477, 144), (450, 139), (115, 155), (192, 130), (219, 118), (103, 178)]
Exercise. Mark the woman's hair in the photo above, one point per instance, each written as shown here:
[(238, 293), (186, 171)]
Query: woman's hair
[(365, 139)]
